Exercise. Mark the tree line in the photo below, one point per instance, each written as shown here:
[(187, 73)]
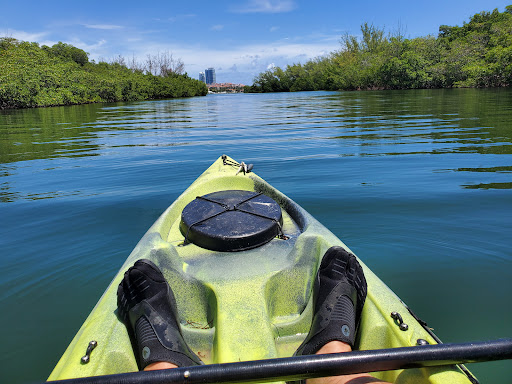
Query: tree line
[(41, 76), (476, 54)]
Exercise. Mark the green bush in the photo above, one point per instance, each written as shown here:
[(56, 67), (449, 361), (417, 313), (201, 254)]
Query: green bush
[(34, 76), (478, 54)]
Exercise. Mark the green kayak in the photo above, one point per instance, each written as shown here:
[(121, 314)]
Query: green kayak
[(242, 273)]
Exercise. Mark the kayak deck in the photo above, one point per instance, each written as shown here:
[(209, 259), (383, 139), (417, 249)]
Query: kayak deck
[(248, 305)]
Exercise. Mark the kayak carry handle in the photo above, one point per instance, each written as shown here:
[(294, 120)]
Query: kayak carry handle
[(85, 359)]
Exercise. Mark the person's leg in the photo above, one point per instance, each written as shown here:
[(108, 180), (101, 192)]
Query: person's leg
[(147, 306), (160, 365), (339, 293), (360, 378)]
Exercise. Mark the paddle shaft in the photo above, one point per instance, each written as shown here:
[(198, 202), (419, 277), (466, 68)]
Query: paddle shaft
[(311, 366)]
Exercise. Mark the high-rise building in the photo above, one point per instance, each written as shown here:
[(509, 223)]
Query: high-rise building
[(210, 76), (201, 77)]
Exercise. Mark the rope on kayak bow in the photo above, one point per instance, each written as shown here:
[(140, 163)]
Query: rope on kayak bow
[(242, 167), (235, 207)]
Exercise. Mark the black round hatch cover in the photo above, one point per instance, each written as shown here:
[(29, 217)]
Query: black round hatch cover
[(231, 220)]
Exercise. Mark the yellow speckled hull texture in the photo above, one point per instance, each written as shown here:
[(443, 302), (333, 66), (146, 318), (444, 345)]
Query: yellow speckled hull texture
[(239, 306)]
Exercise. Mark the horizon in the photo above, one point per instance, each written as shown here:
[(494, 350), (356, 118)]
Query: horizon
[(238, 39)]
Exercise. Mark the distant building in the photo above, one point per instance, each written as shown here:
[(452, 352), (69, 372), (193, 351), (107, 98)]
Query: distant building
[(226, 88), (210, 76), (201, 77)]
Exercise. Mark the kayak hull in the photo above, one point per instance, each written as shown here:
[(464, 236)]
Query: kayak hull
[(248, 305)]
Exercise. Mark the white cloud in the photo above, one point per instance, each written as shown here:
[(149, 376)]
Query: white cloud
[(88, 47), (258, 55), (273, 29), (249, 60), (24, 36), (103, 26), (245, 62), (271, 66), (217, 27), (265, 6)]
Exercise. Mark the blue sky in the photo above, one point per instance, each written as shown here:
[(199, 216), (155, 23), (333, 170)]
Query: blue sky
[(238, 38)]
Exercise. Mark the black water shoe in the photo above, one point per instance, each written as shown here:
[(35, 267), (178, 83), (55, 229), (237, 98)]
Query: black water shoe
[(148, 308), (339, 293)]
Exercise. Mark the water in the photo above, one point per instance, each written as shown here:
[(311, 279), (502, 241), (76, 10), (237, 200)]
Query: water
[(417, 183)]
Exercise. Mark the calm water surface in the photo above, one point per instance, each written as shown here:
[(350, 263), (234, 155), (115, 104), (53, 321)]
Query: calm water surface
[(417, 183)]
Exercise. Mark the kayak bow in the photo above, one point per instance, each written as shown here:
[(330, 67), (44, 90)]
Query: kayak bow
[(240, 258)]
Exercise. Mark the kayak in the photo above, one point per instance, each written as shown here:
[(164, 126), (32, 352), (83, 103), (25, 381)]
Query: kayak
[(241, 258)]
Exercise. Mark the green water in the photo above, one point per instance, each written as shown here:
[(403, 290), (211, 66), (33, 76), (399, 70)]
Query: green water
[(417, 183)]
